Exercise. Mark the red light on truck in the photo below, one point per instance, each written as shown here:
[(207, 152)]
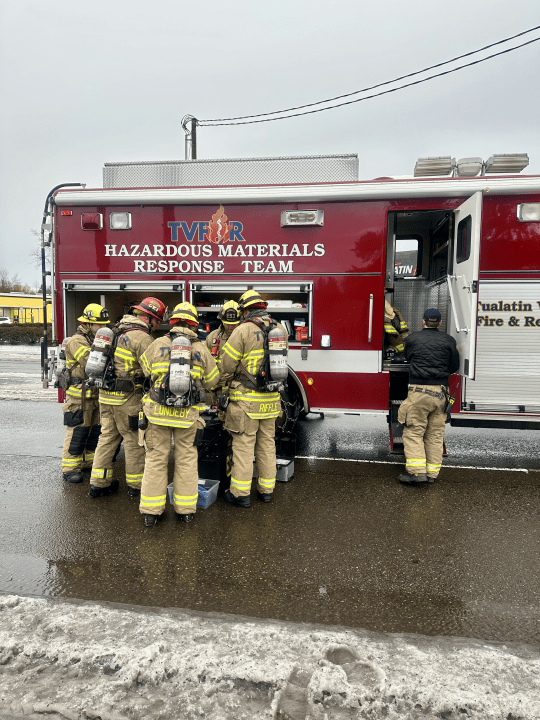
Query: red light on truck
[(92, 221), (66, 212)]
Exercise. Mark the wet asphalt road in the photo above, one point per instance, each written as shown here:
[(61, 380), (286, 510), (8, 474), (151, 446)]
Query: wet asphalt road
[(343, 543)]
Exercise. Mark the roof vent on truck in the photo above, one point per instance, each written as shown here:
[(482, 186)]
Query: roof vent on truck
[(471, 166)]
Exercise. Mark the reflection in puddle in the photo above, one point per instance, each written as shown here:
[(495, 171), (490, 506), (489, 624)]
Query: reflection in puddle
[(27, 575)]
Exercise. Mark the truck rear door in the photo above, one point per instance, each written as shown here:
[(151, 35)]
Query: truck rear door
[(463, 281)]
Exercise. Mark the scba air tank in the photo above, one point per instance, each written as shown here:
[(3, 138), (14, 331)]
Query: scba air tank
[(277, 350), (179, 372), (61, 362), (100, 352)]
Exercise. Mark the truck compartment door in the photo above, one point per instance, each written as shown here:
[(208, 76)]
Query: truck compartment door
[(463, 281)]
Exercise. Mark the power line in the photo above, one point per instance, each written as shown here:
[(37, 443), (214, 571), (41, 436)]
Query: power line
[(374, 87), (233, 121)]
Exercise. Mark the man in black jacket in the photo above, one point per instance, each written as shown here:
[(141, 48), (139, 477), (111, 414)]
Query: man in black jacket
[(433, 356)]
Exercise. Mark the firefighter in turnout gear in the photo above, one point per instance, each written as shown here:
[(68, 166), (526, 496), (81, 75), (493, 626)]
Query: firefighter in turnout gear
[(253, 409), (395, 331), (81, 409), (229, 318), (120, 402), (433, 356), (181, 369)]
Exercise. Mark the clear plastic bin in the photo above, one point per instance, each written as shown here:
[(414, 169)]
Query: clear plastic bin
[(208, 490), (285, 469)]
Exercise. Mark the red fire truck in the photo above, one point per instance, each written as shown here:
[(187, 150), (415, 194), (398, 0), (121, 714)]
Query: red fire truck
[(324, 250)]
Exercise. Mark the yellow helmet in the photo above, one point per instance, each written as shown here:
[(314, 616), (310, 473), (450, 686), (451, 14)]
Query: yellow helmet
[(94, 313), (229, 312), (186, 312), (250, 298)]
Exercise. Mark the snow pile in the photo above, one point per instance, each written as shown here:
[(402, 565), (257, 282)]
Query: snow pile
[(86, 661), (25, 385)]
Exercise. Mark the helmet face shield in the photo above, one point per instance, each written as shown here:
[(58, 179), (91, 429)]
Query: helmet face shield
[(95, 314)]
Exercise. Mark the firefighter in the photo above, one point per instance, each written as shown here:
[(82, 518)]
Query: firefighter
[(229, 318), (252, 411), (395, 330), (120, 404), (173, 382), (81, 411), (433, 356)]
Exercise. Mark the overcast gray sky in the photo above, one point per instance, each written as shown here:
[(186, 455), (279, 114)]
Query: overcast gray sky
[(82, 84)]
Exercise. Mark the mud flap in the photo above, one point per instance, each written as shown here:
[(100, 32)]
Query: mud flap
[(395, 428)]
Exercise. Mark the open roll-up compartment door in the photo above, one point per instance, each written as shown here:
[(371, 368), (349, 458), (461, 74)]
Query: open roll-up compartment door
[(116, 296), (290, 303)]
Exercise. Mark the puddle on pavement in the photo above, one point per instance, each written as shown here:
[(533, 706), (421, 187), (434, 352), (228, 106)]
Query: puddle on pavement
[(26, 575), (339, 545)]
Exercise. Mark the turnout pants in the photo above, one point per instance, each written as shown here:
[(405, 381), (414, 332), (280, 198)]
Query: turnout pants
[(81, 441), (157, 439), (251, 438), (114, 429), (423, 418)]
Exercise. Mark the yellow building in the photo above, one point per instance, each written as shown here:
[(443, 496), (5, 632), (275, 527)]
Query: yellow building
[(19, 307)]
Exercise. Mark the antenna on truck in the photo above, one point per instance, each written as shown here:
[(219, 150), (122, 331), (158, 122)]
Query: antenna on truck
[(191, 136)]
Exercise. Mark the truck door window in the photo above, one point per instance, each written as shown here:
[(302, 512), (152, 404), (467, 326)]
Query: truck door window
[(406, 258), (463, 249)]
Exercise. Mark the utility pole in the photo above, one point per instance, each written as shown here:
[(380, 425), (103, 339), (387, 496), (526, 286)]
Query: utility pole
[(189, 124)]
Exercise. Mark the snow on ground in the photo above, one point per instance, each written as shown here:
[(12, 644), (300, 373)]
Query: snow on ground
[(79, 661), (25, 353), (25, 384)]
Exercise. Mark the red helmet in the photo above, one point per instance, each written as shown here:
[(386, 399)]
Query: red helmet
[(151, 306)]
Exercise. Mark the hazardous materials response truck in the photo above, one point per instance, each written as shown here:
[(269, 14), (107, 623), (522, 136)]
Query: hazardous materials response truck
[(325, 250)]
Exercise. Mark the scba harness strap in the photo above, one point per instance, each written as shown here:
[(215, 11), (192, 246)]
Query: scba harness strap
[(112, 383), (163, 395), (260, 381)]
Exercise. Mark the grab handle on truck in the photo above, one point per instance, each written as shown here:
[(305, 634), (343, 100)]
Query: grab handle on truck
[(370, 327), (453, 304)]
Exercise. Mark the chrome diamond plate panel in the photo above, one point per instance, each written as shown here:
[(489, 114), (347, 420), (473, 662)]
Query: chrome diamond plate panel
[(412, 297), (241, 171)]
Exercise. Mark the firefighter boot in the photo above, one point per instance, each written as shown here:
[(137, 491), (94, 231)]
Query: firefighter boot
[(133, 492), (151, 520), (241, 501), (409, 479), (96, 492), (73, 477), (185, 517), (264, 497)]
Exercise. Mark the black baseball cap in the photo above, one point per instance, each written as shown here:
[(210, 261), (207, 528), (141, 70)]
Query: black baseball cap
[(432, 315)]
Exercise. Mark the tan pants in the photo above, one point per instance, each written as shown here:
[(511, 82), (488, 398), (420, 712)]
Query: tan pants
[(81, 441), (251, 438), (114, 428), (423, 418), (157, 439)]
